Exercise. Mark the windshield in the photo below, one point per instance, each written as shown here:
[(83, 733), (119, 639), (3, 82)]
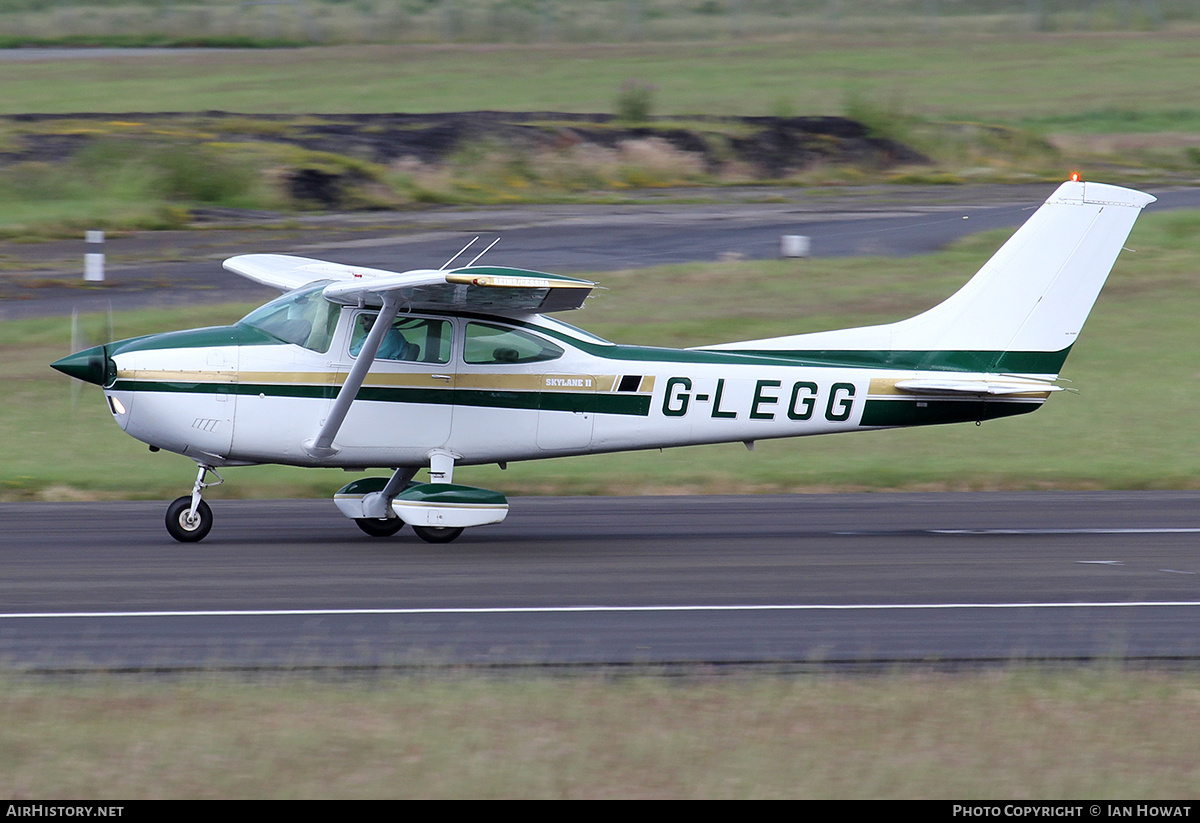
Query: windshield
[(302, 317)]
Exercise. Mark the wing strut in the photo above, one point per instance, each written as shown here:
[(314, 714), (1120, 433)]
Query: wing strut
[(322, 446)]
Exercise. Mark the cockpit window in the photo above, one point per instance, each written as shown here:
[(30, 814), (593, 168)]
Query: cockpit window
[(302, 317), (411, 339), (494, 344)]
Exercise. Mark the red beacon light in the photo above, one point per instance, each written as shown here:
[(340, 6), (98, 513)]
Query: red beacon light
[(1074, 177)]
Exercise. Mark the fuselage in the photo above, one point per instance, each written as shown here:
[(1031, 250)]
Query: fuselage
[(486, 389)]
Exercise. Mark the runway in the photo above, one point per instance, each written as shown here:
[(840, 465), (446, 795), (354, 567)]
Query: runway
[(795, 580)]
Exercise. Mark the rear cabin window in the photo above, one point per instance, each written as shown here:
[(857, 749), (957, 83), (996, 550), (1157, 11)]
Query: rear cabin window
[(495, 344)]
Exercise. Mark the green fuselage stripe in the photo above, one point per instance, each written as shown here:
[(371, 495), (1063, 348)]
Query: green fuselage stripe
[(876, 412), (627, 404), (1002, 362), (945, 361)]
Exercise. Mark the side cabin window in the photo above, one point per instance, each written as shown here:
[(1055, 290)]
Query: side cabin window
[(410, 339), (303, 317), (486, 343)]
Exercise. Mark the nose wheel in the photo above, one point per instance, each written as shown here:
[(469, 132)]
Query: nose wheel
[(189, 519)]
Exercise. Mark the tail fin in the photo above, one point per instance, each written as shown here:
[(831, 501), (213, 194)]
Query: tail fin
[(1020, 313)]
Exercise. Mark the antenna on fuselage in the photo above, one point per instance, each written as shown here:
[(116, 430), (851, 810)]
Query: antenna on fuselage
[(460, 251), (482, 253), (446, 265)]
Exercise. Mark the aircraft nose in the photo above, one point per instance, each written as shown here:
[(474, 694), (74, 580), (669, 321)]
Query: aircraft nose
[(90, 365)]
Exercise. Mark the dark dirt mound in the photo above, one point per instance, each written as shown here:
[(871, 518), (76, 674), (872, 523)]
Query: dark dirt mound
[(771, 147)]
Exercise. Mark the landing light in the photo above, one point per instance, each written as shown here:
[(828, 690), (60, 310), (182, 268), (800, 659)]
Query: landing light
[(116, 405)]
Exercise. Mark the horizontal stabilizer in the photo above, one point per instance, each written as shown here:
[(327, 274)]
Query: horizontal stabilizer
[(975, 388)]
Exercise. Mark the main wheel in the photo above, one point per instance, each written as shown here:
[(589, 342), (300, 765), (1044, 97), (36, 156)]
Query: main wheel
[(377, 527), (184, 530), (436, 534)]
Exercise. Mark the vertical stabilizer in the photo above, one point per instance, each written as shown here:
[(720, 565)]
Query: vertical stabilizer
[(1023, 310)]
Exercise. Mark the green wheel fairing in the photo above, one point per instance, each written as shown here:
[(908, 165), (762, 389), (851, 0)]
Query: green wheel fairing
[(452, 494)]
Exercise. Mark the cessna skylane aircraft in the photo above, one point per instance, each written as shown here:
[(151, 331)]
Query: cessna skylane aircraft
[(359, 368)]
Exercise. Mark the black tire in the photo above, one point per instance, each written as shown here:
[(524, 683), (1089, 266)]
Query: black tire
[(180, 529), (436, 534), (379, 527)]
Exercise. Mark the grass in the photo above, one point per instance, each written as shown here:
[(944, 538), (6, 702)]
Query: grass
[(1016, 735), (123, 183), (1045, 76), (931, 76), (131, 23), (1130, 425)]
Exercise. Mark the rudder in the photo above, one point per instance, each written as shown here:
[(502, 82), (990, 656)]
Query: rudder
[(1022, 310)]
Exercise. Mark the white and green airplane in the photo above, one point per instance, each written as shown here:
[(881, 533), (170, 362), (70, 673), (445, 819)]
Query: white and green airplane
[(360, 368)]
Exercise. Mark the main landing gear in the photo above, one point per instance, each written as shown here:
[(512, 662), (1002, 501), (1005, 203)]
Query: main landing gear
[(436, 534), (379, 527), (189, 518), (387, 526), (438, 511)]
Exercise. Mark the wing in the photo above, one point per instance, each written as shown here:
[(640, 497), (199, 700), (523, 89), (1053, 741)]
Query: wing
[(285, 272), (480, 288)]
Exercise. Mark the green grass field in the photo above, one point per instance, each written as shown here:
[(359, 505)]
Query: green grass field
[(1013, 736), (1129, 426), (1006, 79), (129, 23)]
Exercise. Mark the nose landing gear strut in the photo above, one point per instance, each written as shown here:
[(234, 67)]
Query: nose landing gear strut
[(189, 518)]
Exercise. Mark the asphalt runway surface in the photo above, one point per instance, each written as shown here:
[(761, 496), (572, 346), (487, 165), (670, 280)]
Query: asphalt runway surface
[(781, 581)]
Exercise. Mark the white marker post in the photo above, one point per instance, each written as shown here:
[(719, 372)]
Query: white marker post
[(794, 245), (93, 262)]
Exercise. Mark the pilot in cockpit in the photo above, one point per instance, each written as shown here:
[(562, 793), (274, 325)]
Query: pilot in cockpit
[(393, 347)]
